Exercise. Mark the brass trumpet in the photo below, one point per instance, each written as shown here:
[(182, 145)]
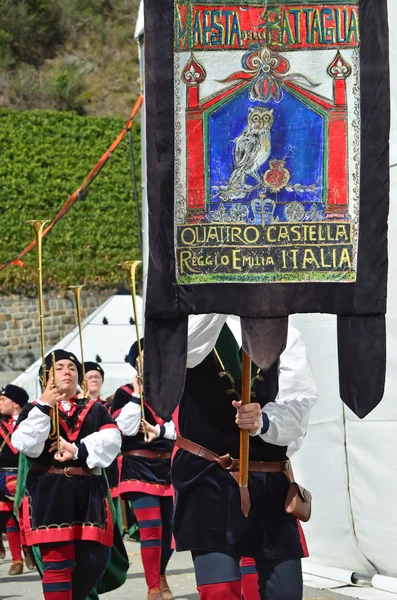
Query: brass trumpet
[(54, 433), (38, 227), (131, 267), (77, 292)]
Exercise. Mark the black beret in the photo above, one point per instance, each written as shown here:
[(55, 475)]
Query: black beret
[(62, 355), (133, 353), (15, 393), (93, 366)]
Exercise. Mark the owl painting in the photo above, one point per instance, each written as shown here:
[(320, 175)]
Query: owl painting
[(251, 150)]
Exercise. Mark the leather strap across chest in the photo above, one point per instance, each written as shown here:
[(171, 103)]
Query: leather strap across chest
[(6, 429)]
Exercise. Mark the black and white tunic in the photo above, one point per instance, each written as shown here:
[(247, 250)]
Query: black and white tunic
[(147, 475)]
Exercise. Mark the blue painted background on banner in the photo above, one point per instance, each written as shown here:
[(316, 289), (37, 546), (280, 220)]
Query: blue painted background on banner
[(297, 136)]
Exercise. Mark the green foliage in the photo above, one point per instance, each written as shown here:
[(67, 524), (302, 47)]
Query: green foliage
[(46, 155), (64, 85), (24, 87), (75, 55), (30, 30), (6, 54)]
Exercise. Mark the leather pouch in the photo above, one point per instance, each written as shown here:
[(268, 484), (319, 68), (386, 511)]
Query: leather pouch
[(299, 502)]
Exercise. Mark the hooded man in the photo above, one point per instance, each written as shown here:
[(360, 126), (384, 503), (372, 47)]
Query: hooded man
[(12, 400)]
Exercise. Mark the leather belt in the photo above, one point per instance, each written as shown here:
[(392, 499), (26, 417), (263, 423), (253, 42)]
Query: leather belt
[(67, 471), (228, 463), (149, 454)]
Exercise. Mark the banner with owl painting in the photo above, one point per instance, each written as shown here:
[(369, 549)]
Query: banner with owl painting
[(267, 137), (267, 108)]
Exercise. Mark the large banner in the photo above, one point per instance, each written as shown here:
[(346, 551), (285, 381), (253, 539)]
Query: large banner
[(267, 178), (267, 140)]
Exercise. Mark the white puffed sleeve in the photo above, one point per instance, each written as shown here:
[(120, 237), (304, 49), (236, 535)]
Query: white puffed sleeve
[(31, 434), (203, 333), (167, 430), (285, 421), (102, 446), (129, 418)]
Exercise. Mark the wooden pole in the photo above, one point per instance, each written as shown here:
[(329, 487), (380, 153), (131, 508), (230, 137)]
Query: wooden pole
[(244, 435)]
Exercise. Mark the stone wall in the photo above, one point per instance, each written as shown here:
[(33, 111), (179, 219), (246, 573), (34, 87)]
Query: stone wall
[(20, 326)]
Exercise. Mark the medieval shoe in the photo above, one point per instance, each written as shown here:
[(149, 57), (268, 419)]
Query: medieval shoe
[(166, 593), (29, 562), (2, 549), (154, 594), (16, 568)]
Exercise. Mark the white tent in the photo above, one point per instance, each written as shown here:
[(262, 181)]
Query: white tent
[(111, 342)]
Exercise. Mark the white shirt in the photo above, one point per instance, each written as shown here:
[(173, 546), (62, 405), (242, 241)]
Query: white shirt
[(31, 435), (130, 417)]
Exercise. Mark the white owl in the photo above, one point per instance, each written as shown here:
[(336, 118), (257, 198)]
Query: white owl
[(251, 150)]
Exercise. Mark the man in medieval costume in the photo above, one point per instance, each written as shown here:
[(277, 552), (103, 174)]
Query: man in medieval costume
[(12, 400), (66, 509), (145, 478), (208, 517)]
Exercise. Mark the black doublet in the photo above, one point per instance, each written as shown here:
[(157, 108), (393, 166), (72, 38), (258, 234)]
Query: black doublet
[(8, 455), (208, 511), (60, 508), (139, 473), (8, 464)]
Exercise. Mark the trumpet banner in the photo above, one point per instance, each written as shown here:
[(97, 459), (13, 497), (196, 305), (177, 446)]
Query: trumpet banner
[(267, 168)]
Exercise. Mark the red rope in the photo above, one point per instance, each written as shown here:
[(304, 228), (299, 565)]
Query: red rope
[(77, 194)]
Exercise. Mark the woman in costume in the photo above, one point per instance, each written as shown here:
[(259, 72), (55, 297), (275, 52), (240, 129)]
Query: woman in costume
[(95, 376), (65, 510)]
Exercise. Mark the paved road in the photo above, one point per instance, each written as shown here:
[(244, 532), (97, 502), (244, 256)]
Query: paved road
[(180, 577)]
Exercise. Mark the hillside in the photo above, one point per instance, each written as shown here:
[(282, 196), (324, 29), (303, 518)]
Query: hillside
[(75, 55)]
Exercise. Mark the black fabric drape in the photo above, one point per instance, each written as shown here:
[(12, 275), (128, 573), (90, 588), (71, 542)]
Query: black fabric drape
[(361, 304)]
